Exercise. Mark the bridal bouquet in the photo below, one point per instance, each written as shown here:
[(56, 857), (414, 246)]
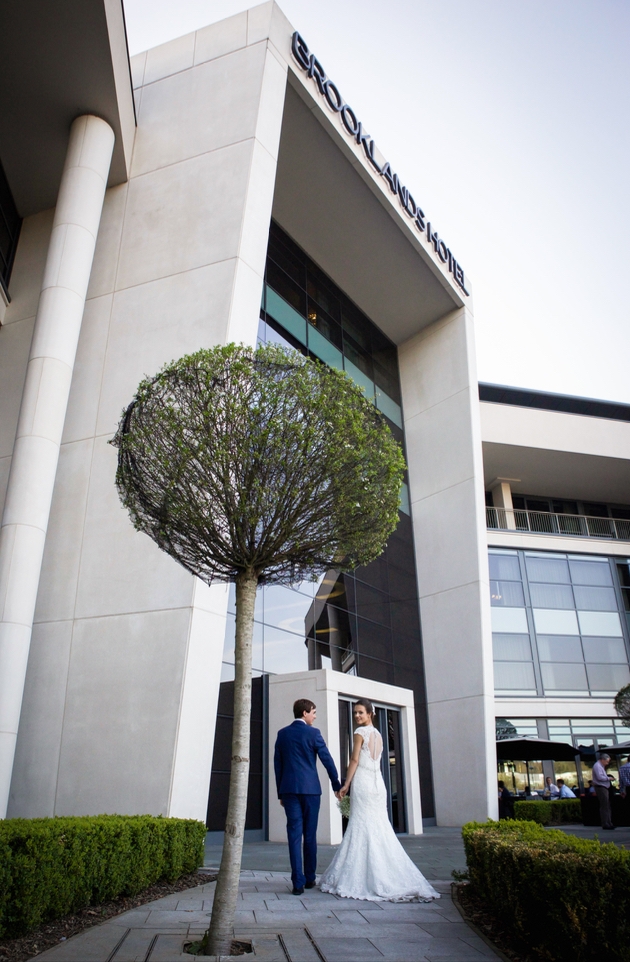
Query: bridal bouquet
[(343, 804)]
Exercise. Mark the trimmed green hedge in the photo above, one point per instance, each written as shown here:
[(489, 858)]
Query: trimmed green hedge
[(565, 897), (52, 866), (559, 812)]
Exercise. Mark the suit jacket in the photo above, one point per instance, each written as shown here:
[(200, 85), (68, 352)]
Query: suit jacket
[(295, 760)]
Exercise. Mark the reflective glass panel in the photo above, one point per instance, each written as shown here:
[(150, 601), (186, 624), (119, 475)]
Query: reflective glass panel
[(285, 608), (509, 620), (604, 623), (511, 647), (514, 676), (608, 678), (604, 650), (595, 599), (559, 648), (590, 572), (504, 567), (564, 677), (507, 594), (552, 622), (551, 596), (284, 651), (554, 570)]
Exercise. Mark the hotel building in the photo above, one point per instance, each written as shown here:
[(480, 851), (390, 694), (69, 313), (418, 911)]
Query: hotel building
[(219, 188)]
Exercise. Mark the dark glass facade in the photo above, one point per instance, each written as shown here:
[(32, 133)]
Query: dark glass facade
[(367, 622), (10, 224)]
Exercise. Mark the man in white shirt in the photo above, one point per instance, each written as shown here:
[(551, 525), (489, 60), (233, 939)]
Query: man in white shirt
[(601, 782), (565, 791), (551, 790)]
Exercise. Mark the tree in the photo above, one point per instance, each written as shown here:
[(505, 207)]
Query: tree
[(622, 705), (255, 467)]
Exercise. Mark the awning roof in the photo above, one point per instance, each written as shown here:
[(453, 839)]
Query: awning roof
[(59, 60)]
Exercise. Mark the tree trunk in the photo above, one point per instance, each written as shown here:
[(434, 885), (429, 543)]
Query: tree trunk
[(220, 933)]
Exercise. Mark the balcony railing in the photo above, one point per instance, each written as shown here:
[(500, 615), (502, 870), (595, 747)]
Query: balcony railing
[(565, 525)]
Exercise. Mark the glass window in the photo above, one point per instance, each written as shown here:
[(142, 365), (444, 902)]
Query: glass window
[(589, 572), (608, 678), (604, 623), (286, 288), (285, 608), (359, 378), (551, 622), (564, 677), (507, 594), (559, 648), (504, 566), (284, 651), (553, 569), (551, 596), (511, 647), (512, 676), (323, 349), (595, 599), (286, 315), (604, 650), (509, 620), (389, 408)]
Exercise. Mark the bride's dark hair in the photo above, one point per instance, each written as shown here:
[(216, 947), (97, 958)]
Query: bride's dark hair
[(367, 704)]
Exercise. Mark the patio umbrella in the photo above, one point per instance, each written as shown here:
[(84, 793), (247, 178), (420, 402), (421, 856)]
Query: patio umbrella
[(622, 749), (535, 749)]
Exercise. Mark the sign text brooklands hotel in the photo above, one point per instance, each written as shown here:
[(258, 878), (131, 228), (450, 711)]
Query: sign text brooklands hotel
[(330, 92)]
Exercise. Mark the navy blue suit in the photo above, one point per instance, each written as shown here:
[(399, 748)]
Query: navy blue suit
[(295, 762)]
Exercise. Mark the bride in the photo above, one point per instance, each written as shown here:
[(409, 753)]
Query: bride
[(371, 863)]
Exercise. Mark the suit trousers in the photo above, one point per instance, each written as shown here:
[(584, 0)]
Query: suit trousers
[(603, 794), (302, 812)]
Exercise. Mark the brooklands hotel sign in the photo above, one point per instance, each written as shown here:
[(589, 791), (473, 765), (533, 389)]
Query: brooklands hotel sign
[(354, 127)]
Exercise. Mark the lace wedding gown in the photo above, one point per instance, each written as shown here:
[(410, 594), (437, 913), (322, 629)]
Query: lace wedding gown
[(371, 863)]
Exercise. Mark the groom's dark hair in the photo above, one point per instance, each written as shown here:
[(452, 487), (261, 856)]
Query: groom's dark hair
[(302, 705)]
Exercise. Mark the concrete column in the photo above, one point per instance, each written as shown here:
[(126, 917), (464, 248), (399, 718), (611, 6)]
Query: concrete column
[(443, 434), (43, 411), (502, 498)]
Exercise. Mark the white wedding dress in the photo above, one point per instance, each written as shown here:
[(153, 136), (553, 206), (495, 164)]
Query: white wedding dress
[(371, 863)]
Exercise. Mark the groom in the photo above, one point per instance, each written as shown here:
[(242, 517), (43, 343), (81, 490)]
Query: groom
[(299, 791)]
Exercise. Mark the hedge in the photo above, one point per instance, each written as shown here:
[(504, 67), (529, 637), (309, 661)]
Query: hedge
[(52, 866), (564, 897), (549, 813)]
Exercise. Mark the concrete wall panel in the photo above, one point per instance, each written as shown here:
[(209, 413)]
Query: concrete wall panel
[(440, 405), (121, 713)]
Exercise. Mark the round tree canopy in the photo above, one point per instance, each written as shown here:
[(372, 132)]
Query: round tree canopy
[(262, 462), (622, 704)]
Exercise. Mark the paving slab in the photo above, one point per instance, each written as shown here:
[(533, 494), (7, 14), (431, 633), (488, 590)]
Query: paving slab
[(314, 927)]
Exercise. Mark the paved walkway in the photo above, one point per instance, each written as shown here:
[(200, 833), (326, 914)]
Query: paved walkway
[(284, 928)]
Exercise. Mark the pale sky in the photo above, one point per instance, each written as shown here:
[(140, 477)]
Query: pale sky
[(508, 120)]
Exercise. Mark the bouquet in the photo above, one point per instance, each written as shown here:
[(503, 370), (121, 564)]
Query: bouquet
[(343, 804)]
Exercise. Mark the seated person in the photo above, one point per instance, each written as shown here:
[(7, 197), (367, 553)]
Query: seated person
[(551, 790), (565, 791)]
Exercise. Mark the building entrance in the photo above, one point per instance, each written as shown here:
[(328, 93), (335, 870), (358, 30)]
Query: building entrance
[(388, 723)]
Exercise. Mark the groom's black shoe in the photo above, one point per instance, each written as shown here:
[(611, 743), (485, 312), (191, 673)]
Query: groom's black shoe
[(298, 891), (310, 885)]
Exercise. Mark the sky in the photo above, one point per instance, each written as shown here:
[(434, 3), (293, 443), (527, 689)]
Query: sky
[(509, 122)]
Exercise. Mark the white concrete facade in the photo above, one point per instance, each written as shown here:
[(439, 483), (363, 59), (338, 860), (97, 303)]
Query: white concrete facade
[(123, 674), (42, 413)]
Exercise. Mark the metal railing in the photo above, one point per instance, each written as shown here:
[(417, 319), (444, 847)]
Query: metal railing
[(566, 525)]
